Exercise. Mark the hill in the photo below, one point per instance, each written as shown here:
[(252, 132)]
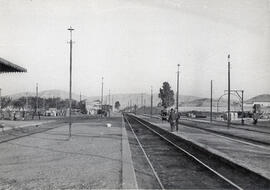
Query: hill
[(124, 99), (205, 102), (48, 94), (259, 98), (139, 99)]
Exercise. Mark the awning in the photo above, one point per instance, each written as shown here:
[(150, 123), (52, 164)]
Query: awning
[(8, 67)]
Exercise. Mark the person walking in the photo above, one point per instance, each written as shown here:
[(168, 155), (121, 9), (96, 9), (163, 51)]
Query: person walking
[(172, 119)]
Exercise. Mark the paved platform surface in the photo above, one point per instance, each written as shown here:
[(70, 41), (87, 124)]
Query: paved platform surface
[(91, 158), (253, 157), (257, 135), (247, 126)]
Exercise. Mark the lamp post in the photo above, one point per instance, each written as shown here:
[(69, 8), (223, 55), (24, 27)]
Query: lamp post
[(70, 78)]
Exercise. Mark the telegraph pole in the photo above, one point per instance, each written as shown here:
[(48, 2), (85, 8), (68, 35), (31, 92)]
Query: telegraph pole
[(109, 103), (141, 99), (242, 118), (70, 78), (109, 97), (36, 97), (177, 93), (0, 101), (144, 104), (211, 102), (112, 104), (26, 101), (151, 111), (101, 92), (229, 93)]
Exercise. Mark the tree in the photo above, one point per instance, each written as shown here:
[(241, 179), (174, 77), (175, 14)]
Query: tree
[(5, 102), (19, 103), (83, 107), (117, 105), (166, 95)]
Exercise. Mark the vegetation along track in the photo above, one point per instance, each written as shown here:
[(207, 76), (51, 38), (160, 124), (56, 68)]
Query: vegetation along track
[(180, 164)]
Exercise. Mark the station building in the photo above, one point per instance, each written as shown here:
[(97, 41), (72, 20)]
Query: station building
[(8, 67), (92, 107)]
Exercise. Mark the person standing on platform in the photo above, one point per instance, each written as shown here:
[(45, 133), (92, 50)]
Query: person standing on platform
[(172, 119)]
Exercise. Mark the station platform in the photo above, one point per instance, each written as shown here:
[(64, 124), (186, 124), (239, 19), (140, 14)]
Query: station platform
[(94, 157), (258, 135), (252, 156)]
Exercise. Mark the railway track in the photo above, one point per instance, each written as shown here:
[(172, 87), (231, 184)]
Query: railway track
[(176, 163)]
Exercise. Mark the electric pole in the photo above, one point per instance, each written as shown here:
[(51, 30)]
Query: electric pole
[(70, 78), (36, 106), (112, 104), (44, 104), (26, 107), (242, 99), (211, 102), (101, 92), (144, 104), (36, 97), (229, 93), (109, 97), (151, 110), (177, 93), (109, 103), (141, 99), (0, 101)]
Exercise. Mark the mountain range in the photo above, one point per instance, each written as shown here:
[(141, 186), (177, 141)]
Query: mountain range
[(138, 99)]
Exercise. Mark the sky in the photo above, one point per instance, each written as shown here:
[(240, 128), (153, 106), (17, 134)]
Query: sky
[(136, 44)]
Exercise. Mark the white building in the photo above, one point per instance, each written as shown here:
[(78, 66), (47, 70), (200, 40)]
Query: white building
[(262, 104), (92, 106)]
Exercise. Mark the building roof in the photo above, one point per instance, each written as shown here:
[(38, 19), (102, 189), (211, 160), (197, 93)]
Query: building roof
[(8, 67)]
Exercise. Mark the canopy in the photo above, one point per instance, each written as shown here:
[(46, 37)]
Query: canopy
[(8, 67)]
